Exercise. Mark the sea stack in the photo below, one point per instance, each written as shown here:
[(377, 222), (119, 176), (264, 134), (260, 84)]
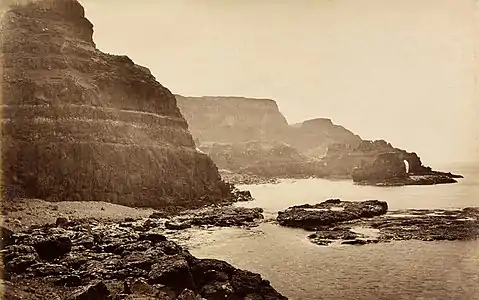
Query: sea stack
[(79, 124)]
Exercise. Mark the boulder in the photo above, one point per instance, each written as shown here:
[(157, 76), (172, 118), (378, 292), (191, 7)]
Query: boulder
[(53, 247), (172, 271)]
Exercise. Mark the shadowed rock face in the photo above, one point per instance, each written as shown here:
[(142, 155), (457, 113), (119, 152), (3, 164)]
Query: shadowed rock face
[(79, 124)]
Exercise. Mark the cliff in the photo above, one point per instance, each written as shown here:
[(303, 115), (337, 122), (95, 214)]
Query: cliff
[(251, 136), (239, 120), (313, 137), (79, 124), (232, 119)]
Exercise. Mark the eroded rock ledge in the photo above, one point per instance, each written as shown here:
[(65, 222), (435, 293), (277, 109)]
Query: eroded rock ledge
[(94, 260), (357, 223)]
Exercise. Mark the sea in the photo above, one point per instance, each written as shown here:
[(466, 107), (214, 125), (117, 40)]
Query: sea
[(300, 269)]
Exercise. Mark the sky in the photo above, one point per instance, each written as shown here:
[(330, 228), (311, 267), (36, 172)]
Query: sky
[(404, 71)]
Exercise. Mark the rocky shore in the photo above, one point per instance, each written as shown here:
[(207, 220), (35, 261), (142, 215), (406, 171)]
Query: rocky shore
[(429, 179), (131, 259), (363, 222), (245, 179)]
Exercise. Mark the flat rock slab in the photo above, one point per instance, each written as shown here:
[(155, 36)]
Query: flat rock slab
[(424, 225), (109, 261), (429, 179), (330, 212)]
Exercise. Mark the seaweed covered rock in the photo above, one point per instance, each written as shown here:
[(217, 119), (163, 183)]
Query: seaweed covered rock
[(410, 224), (79, 124), (330, 212)]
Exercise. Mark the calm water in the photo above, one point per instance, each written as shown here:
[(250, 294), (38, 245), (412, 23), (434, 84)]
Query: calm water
[(399, 270)]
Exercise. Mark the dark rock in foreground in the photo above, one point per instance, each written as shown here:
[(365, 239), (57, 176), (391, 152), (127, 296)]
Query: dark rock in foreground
[(330, 212), (424, 225), (223, 216), (107, 261)]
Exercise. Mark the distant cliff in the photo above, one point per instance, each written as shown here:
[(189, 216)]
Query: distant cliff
[(232, 119), (252, 136), (239, 120), (313, 137), (79, 124)]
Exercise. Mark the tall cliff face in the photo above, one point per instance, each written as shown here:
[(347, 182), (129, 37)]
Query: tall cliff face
[(79, 124), (232, 119)]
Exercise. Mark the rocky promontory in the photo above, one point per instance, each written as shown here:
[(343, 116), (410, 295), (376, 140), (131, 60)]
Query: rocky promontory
[(79, 124), (363, 222), (379, 163)]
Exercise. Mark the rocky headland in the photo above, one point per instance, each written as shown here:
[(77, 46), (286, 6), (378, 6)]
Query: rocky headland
[(379, 163), (251, 137), (363, 222)]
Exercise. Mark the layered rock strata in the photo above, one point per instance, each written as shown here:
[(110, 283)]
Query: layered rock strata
[(79, 124)]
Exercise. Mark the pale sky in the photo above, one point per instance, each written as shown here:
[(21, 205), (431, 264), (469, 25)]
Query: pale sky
[(403, 71)]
